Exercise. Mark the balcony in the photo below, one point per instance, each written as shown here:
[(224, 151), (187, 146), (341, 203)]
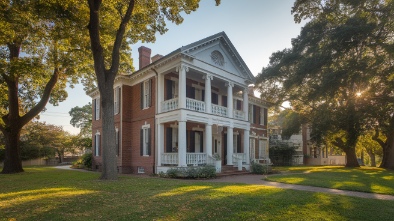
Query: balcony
[(199, 106)]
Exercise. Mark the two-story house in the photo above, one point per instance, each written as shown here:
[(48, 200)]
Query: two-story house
[(183, 108)]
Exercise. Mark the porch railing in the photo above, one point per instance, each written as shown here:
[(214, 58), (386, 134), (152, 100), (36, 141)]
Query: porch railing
[(195, 105), (239, 156), (169, 105), (239, 114), (219, 110), (196, 159), (169, 158)]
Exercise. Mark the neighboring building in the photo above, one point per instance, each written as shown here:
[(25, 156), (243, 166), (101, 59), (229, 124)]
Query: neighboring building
[(181, 109)]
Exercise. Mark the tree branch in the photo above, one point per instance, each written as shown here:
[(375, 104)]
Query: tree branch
[(44, 99), (119, 36)]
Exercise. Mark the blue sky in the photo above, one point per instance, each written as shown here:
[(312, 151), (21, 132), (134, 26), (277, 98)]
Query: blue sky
[(257, 28)]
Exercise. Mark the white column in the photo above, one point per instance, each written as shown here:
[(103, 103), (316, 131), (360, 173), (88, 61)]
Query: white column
[(207, 98), (246, 146), (230, 99), (160, 142), (182, 69), (182, 144), (230, 145), (160, 91), (208, 139), (246, 103)]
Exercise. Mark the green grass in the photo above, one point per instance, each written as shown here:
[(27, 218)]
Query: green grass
[(51, 194), (364, 179)]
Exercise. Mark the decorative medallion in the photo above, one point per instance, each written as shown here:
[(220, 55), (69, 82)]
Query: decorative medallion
[(217, 58)]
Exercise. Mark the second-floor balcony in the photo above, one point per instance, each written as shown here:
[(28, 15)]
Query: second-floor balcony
[(199, 106)]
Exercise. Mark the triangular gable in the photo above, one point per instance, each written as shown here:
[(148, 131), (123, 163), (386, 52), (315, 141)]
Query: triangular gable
[(218, 51)]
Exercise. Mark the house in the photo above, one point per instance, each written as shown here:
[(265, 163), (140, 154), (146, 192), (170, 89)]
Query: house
[(183, 108)]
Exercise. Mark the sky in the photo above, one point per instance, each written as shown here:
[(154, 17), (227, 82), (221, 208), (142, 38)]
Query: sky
[(257, 28)]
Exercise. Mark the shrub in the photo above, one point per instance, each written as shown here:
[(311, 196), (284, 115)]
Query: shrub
[(207, 171), (87, 160), (257, 168)]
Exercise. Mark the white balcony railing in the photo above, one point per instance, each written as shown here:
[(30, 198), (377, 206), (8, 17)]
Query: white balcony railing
[(169, 105), (239, 114), (219, 110), (195, 105)]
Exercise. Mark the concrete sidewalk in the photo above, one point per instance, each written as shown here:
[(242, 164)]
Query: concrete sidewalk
[(257, 180)]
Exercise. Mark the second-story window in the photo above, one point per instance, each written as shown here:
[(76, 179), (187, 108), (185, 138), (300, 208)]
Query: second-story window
[(116, 100), (97, 109), (146, 94)]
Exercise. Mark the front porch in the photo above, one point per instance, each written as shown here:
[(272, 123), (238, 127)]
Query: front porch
[(185, 144)]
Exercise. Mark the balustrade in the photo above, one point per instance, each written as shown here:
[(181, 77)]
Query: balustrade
[(219, 110), (195, 105), (239, 114)]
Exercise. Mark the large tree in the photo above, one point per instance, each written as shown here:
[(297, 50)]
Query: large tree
[(113, 26), (37, 59), (81, 117), (342, 52)]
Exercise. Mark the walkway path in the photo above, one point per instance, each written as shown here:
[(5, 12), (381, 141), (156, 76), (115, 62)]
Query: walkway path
[(257, 180)]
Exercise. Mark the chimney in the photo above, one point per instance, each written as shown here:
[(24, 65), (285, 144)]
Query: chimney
[(251, 90), (156, 57), (144, 56)]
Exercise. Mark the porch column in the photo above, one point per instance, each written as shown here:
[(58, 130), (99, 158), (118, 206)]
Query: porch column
[(208, 138), (246, 103), (182, 144), (246, 146), (230, 145), (207, 97), (160, 91), (160, 142), (182, 69), (230, 99)]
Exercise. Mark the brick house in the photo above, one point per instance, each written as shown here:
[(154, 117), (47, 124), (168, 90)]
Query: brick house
[(184, 108)]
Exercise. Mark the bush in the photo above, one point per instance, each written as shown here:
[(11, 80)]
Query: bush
[(87, 160), (207, 171), (259, 168)]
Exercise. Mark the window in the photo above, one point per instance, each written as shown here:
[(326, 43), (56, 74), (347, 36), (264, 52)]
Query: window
[(235, 142), (251, 113), (117, 141), (116, 100), (97, 109), (262, 116), (97, 145), (146, 95), (215, 98), (262, 149), (145, 140)]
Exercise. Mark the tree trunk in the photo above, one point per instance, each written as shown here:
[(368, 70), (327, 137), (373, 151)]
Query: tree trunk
[(351, 158), (12, 161), (372, 157), (389, 160), (109, 171)]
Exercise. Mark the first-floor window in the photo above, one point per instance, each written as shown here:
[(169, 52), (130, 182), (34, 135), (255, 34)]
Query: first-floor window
[(97, 145), (117, 141), (262, 149), (145, 140)]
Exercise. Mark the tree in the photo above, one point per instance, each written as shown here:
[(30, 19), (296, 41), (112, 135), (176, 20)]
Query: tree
[(37, 58), (371, 147), (81, 117), (113, 26), (340, 54)]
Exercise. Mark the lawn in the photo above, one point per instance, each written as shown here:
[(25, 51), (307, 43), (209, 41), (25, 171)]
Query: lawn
[(364, 179), (51, 194)]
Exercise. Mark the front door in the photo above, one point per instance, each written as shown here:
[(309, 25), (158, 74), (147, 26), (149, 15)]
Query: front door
[(216, 147)]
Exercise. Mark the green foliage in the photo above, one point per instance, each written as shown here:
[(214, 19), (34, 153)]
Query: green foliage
[(257, 168), (281, 154), (84, 162), (81, 117), (207, 171)]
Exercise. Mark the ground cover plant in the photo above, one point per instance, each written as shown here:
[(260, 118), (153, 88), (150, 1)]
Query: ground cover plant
[(51, 194), (364, 179)]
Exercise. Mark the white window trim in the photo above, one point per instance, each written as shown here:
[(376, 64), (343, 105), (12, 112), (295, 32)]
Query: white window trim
[(97, 100), (116, 100), (145, 128), (146, 94), (261, 115), (97, 144)]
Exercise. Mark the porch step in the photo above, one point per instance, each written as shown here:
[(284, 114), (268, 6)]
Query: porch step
[(231, 171)]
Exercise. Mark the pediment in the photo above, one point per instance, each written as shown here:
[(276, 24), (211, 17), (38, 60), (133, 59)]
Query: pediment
[(219, 52)]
